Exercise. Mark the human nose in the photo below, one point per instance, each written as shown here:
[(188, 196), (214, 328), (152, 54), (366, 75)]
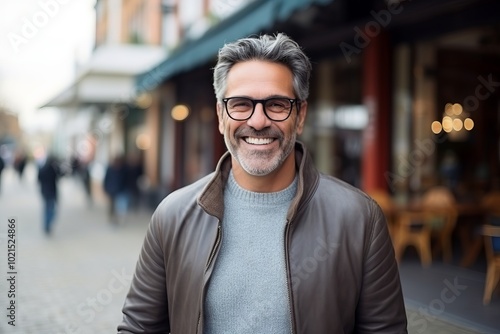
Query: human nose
[(259, 120)]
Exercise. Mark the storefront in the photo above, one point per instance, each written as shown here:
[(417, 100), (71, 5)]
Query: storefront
[(385, 75)]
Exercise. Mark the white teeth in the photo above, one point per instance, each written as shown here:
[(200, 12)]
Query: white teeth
[(258, 141)]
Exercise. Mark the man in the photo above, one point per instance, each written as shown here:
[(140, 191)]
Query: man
[(115, 186), (265, 244)]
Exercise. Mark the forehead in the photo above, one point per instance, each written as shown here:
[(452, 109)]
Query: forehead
[(259, 78)]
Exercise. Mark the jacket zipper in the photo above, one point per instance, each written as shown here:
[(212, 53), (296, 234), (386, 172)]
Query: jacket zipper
[(288, 278), (211, 257)]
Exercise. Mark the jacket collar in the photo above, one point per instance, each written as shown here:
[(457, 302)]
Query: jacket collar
[(212, 196)]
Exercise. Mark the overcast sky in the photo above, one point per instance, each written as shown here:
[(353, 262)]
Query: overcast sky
[(40, 43)]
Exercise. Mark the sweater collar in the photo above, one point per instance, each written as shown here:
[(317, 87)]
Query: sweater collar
[(212, 197)]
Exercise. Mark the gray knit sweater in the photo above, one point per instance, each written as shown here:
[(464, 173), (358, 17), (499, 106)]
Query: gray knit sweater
[(247, 292)]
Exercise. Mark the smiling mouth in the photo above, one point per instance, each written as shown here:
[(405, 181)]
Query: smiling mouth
[(258, 140)]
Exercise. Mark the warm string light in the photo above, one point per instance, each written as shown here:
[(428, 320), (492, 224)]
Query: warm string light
[(180, 112), (454, 120), (143, 141)]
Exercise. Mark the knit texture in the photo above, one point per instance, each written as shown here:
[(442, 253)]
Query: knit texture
[(247, 292)]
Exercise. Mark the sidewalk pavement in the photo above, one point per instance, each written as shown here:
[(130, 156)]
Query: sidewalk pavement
[(75, 280)]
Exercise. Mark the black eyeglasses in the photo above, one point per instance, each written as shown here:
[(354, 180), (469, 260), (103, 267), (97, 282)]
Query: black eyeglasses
[(276, 109)]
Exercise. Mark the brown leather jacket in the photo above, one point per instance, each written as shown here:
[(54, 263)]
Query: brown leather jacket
[(342, 275)]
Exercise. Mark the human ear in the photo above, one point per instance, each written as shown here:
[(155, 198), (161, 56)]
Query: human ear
[(220, 114), (301, 117)]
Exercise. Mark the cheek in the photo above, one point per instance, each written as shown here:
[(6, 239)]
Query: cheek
[(221, 126), (294, 127), (220, 117), (225, 126)]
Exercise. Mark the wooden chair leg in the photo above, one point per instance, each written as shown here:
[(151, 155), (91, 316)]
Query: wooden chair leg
[(471, 252), (492, 279), (424, 250)]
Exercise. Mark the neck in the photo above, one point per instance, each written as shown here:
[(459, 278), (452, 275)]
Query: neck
[(275, 181)]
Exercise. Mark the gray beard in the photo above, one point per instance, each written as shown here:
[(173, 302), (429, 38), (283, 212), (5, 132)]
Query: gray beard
[(262, 155)]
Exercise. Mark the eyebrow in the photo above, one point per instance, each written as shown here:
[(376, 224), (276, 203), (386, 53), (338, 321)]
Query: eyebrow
[(264, 98)]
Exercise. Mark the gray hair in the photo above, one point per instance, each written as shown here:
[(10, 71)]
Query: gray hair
[(278, 49)]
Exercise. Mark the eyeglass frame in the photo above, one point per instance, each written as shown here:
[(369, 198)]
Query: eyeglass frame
[(295, 101)]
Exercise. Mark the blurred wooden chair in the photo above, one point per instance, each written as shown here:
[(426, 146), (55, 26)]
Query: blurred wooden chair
[(386, 203), (434, 218), (410, 232), (472, 241), (491, 203), (491, 232)]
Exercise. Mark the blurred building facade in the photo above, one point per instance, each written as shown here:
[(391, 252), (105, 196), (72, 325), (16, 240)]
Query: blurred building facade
[(11, 137), (174, 155), (404, 94), (101, 115)]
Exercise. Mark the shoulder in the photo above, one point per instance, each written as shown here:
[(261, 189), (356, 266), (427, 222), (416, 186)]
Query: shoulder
[(332, 188), (347, 210), (177, 211), (345, 203), (182, 198)]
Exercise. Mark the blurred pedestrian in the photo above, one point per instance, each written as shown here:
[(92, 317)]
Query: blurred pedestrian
[(265, 243), (20, 162), (81, 171), (87, 182), (115, 186), (2, 166), (48, 176), (74, 161), (134, 172)]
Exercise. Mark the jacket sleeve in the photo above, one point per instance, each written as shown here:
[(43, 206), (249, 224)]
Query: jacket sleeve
[(381, 306), (146, 309)]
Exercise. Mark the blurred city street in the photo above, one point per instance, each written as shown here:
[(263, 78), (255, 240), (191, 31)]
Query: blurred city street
[(403, 101), (75, 280)]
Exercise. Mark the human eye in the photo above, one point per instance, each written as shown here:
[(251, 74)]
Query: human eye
[(278, 105), (239, 104)]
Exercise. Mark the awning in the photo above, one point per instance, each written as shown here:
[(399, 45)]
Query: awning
[(109, 76), (257, 16), (287, 7)]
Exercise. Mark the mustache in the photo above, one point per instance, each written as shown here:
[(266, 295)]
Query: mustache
[(246, 131)]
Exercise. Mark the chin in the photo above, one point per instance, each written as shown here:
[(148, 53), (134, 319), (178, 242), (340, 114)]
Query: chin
[(260, 168)]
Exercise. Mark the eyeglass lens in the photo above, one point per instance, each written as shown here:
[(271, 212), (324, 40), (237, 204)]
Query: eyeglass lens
[(241, 108)]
